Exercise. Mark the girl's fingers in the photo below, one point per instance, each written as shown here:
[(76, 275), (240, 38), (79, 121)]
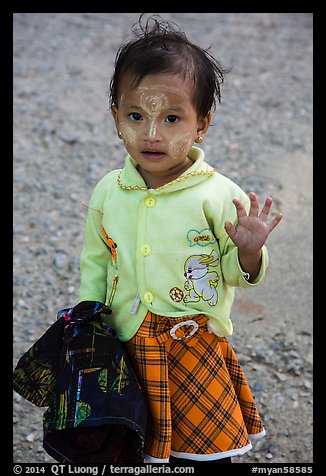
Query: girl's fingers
[(266, 209), (254, 212), (229, 229), (254, 205), (276, 220), (241, 211)]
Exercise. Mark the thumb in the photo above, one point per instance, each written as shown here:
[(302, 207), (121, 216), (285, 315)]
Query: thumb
[(229, 228)]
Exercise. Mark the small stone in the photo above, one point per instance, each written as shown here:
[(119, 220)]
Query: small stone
[(30, 437), (22, 303), (258, 387), (67, 137), (60, 261), (280, 377)]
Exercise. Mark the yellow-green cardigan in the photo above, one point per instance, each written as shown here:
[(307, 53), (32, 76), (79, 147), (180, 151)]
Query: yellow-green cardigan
[(163, 250)]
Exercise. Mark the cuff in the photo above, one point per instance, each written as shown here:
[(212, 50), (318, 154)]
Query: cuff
[(234, 275), (244, 277)]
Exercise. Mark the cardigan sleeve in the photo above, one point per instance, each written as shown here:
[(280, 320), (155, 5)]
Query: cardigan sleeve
[(234, 275), (95, 254)]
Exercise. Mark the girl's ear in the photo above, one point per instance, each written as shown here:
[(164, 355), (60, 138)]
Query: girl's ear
[(114, 112), (203, 124)]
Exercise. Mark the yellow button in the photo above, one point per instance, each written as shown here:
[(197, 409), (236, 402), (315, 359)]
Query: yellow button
[(148, 297), (145, 250), (150, 202)]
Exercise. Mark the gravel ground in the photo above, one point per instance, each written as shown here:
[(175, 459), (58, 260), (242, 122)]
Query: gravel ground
[(64, 141)]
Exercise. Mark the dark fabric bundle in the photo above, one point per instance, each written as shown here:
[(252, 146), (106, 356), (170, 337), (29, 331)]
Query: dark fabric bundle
[(78, 368)]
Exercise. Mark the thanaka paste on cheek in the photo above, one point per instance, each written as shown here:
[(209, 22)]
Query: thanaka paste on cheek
[(128, 134), (180, 145)]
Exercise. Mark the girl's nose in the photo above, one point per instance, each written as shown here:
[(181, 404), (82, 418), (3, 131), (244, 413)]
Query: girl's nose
[(152, 133)]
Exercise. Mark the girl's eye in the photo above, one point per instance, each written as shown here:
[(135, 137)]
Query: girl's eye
[(135, 116), (172, 118)]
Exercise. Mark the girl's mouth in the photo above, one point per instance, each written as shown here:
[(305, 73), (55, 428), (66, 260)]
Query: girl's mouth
[(153, 154)]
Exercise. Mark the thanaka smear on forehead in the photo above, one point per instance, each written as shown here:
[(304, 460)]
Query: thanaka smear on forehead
[(145, 91), (153, 105)]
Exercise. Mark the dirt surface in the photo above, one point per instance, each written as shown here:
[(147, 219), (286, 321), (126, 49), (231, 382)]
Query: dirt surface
[(64, 142)]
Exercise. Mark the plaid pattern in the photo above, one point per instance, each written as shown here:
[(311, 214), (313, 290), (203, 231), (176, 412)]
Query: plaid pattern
[(199, 399)]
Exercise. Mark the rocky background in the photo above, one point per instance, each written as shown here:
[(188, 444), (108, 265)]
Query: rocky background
[(261, 137)]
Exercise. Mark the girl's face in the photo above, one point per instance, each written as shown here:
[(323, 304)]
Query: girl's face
[(158, 125)]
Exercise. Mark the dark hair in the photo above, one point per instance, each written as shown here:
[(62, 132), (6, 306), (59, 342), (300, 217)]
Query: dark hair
[(163, 48)]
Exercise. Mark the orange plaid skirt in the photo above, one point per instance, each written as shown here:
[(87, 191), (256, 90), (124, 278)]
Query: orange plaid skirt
[(199, 401)]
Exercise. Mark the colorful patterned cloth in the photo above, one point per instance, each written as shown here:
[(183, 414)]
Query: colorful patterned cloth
[(200, 403), (96, 410)]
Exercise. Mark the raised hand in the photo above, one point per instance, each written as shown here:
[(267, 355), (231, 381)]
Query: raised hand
[(252, 231)]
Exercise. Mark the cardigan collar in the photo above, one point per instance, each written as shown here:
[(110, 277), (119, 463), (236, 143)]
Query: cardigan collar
[(130, 179)]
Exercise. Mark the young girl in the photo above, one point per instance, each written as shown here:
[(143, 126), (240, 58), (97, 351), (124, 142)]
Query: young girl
[(167, 240)]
